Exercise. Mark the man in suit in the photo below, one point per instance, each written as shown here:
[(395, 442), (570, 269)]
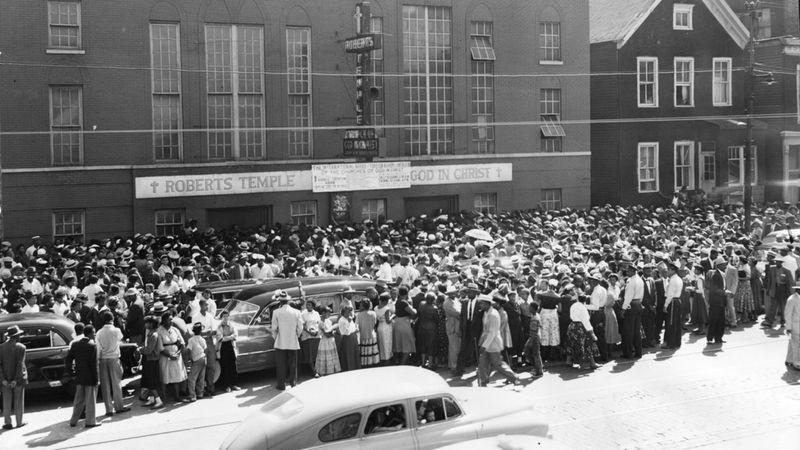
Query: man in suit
[(649, 306), (14, 376), (780, 287), (134, 324), (471, 329), (287, 325), (708, 263), (81, 362), (660, 312), (632, 310), (731, 284), (490, 345), (717, 299), (452, 311)]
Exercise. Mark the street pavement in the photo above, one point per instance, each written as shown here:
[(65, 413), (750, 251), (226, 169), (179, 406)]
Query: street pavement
[(738, 395)]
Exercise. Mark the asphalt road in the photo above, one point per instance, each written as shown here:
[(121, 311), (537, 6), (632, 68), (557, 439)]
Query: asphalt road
[(736, 396)]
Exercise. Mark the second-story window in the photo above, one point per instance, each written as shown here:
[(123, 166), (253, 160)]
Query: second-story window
[(166, 87), (722, 82), (684, 82), (298, 52), (64, 25), (550, 114), (234, 80), (66, 124), (647, 73), (482, 92)]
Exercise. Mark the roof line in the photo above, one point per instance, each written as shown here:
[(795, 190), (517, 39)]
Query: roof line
[(638, 23)]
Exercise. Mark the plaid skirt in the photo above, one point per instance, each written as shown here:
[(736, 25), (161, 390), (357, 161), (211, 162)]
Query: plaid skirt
[(368, 347), (580, 345), (327, 357)]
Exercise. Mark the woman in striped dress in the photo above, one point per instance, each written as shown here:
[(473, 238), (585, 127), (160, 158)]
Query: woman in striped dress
[(327, 357), (367, 320)]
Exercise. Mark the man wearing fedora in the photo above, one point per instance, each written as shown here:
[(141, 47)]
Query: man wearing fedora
[(81, 362), (471, 328), (490, 345), (287, 325), (14, 376)]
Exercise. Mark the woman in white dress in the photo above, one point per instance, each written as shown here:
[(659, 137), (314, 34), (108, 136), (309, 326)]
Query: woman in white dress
[(792, 316), (385, 313), (173, 370)]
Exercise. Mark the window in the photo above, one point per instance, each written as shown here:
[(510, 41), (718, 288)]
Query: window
[(169, 222), (647, 73), (482, 91), (648, 167), (386, 419), (682, 16), (709, 167), (550, 114), (304, 212), (436, 410), (166, 86), (485, 203), (551, 199), (298, 54), (35, 338), (56, 340), (684, 82), (64, 25), (550, 42), (376, 62), (68, 226), (736, 166), (428, 84), (684, 165), (451, 408), (722, 81), (344, 427), (234, 68), (66, 124), (764, 23), (374, 210)]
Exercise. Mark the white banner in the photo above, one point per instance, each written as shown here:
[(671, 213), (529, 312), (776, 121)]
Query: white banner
[(222, 184), (323, 178), (360, 176), (461, 174)]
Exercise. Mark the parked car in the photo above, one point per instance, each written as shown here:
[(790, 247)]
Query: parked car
[(223, 291), (47, 337), (251, 312), (384, 408), (506, 442)]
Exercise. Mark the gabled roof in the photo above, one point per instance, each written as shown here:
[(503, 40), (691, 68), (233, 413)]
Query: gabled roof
[(616, 20)]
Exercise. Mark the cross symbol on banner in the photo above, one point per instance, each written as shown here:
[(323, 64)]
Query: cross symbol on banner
[(358, 16)]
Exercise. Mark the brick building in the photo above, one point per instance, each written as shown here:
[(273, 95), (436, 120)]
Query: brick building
[(668, 101), (120, 117)]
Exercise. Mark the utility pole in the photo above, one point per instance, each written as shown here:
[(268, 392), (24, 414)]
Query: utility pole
[(751, 6)]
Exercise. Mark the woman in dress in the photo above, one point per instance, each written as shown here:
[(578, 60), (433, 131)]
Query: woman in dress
[(349, 356), (549, 328), (757, 286), (697, 289), (403, 341), (441, 332), (309, 337), (151, 373), (581, 340), (227, 352), (173, 370), (327, 357), (427, 318), (367, 321), (385, 314), (792, 316), (612, 325), (743, 298)]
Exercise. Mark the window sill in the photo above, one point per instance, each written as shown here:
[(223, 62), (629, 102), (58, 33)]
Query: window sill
[(645, 106), (684, 106), (544, 62), (722, 105), (681, 28), (648, 192), (65, 51)]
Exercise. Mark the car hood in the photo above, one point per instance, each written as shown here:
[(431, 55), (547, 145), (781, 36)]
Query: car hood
[(485, 403)]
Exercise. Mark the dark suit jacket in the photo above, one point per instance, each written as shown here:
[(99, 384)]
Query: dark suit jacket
[(134, 325), (82, 356), (716, 288), (12, 362), (660, 294), (474, 327), (649, 297)]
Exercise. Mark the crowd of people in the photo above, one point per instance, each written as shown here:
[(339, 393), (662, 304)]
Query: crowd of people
[(506, 292)]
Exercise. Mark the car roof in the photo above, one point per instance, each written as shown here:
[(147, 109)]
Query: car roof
[(261, 294), (369, 386), (224, 285), (36, 319)]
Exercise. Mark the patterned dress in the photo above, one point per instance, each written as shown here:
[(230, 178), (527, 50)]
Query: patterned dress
[(743, 299), (441, 334), (384, 333), (327, 357), (580, 345), (368, 339)]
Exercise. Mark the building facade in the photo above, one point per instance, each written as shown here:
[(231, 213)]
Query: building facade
[(668, 101), (120, 117)]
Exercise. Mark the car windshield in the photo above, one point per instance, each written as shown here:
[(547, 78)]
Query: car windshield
[(241, 312), (282, 407)]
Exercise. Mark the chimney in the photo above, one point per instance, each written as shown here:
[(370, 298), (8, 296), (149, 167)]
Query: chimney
[(792, 21)]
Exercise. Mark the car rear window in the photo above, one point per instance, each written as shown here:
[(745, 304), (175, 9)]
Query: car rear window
[(344, 427), (34, 338), (241, 312), (283, 406)]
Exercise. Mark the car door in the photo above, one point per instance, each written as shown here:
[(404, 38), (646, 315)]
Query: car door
[(439, 422), (391, 433), (257, 343), (44, 361)]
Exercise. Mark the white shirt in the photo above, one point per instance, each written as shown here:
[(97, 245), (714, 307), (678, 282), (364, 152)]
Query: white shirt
[(598, 299), (168, 288), (579, 313), (35, 286), (674, 289), (30, 309), (209, 324), (634, 290), (90, 291), (261, 273), (385, 273)]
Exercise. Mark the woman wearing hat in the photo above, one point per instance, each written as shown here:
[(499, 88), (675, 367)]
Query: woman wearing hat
[(327, 361), (173, 370), (581, 340), (227, 353), (349, 355), (151, 372), (403, 340)]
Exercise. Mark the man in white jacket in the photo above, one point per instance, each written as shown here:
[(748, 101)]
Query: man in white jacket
[(287, 325), (490, 345)]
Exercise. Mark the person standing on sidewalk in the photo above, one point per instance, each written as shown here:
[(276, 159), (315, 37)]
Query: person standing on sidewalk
[(108, 353), (286, 327), (632, 312), (197, 356), (81, 363), (14, 376), (206, 317), (792, 316), (490, 345), (717, 296)]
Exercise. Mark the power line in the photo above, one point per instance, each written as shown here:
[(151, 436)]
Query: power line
[(528, 123)]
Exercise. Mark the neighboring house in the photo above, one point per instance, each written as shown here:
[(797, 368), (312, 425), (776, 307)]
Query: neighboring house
[(777, 31), (668, 101)]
